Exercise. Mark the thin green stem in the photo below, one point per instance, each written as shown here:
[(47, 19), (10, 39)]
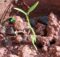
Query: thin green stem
[(30, 25), (33, 32)]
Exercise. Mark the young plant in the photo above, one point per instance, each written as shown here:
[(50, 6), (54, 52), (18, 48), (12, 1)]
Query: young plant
[(32, 8)]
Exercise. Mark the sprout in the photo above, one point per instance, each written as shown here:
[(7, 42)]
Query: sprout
[(32, 8)]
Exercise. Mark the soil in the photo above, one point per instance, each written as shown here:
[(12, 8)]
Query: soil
[(15, 38)]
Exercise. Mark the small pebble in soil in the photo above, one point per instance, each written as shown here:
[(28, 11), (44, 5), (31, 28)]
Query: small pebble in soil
[(45, 48), (58, 48), (3, 51), (18, 39), (53, 41), (39, 44), (2, 29), (32, 22), (43, 19), (40, 28), (10, 31), (6, 42)]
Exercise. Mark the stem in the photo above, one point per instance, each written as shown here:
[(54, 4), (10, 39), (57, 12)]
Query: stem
[(33, 32), (30, 26)]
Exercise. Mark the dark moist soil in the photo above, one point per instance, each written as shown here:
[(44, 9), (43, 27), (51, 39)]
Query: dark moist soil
[(15, 38)]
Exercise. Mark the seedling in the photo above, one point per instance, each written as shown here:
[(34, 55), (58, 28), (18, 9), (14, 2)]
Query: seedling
[(32, 8)]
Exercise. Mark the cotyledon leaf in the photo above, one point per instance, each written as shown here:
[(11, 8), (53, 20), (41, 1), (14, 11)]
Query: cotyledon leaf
[(33, 7), (20, 10), (33, 37)]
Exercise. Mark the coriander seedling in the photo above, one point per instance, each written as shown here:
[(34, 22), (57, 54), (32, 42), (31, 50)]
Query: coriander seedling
[(32, 8)]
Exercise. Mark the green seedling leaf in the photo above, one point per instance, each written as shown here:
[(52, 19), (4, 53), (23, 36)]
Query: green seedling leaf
[(20, 10), (33, 37), (33, 7)]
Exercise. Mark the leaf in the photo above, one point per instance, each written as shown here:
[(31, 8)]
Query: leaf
[(33, 37), (33, 7), (20, 10)]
